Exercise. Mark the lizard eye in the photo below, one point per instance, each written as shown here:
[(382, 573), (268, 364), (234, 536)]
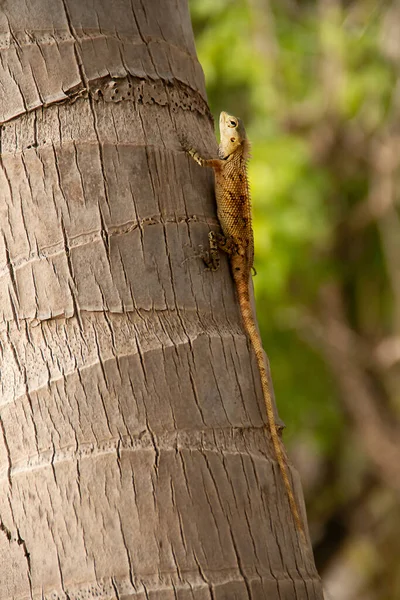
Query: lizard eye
[(232, 123)]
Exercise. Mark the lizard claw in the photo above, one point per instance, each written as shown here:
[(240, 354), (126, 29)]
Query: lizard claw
[(183, 141)]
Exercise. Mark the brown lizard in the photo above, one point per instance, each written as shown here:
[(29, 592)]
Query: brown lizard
[(234, 214)]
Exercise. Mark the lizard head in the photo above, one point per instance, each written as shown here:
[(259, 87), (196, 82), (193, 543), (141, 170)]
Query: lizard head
[(232, 134)]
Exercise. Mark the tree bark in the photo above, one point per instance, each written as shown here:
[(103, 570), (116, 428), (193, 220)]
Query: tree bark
[(133, 456)]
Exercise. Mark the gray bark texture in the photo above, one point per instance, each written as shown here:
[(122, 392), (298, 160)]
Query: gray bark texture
[(134, 462)]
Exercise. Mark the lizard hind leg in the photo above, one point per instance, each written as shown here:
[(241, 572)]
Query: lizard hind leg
[(226, 244), (217, 242)]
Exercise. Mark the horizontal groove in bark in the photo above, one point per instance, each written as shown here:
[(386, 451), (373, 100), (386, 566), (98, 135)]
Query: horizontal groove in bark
[(240, 440), (92, 237), (136, 90), (192, 585), (91, 277), (149, 118), (34, 357)]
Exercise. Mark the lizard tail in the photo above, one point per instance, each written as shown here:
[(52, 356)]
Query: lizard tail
[(243, 292)]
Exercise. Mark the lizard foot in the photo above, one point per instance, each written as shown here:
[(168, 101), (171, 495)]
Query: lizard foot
[(210, 259), (183, 141)]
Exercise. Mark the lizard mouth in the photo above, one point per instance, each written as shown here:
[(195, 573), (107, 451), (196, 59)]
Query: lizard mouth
[(222, 118)]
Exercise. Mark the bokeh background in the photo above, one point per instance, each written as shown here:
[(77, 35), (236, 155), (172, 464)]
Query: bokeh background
[(317, 85)]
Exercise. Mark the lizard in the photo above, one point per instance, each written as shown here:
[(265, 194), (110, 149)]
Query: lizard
[(237, 240)]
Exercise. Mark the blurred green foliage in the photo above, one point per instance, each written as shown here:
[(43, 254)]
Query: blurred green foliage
[(263, 62), (316, 83)]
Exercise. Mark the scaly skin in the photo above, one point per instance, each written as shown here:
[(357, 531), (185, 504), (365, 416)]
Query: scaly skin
[(234, 213)]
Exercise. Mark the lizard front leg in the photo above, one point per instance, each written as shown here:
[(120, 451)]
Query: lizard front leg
[(213, 163)]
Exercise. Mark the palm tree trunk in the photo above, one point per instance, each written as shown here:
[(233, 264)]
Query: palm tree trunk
[(133, 459)]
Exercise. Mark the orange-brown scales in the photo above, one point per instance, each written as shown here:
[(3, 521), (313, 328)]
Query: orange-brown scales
[(234, 213)]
